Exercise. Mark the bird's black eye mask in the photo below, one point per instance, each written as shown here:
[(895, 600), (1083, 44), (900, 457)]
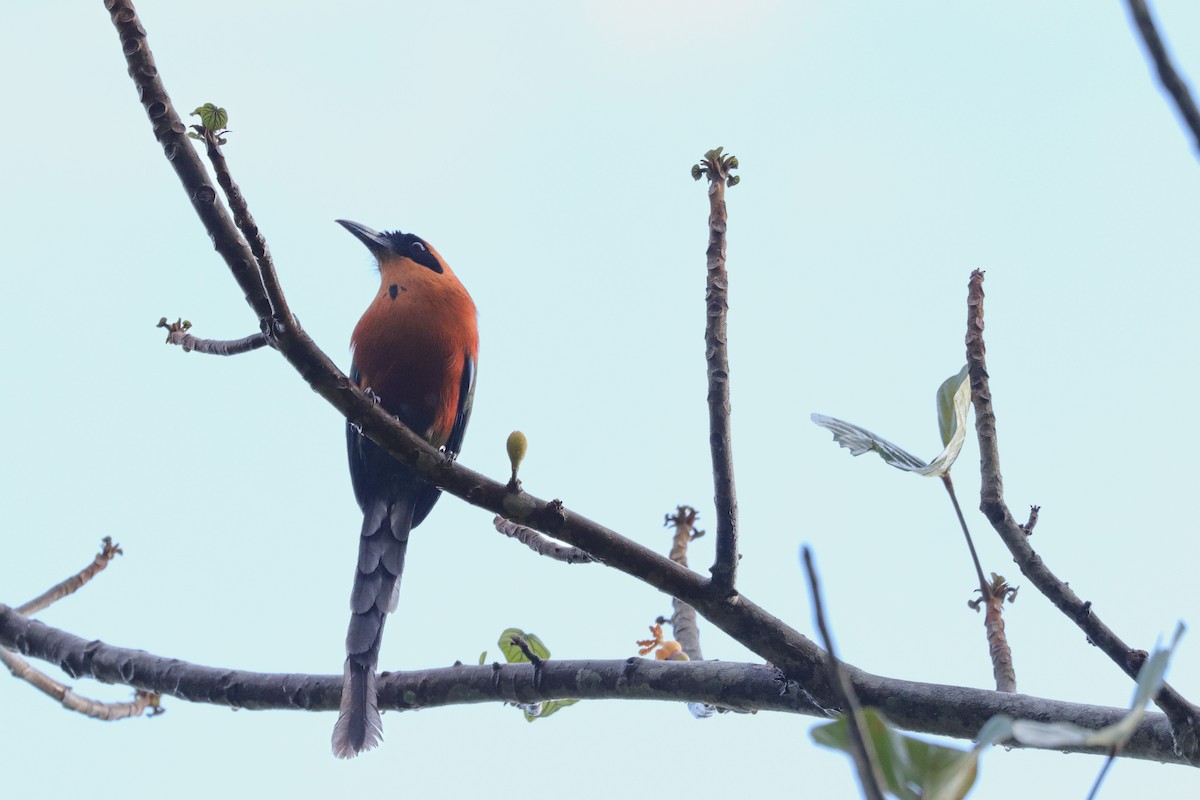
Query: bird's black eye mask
[(413, 247)]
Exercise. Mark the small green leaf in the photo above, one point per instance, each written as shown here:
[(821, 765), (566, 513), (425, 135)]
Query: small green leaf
[(696, 173), (211, 116), (733, 180), (483, 658)]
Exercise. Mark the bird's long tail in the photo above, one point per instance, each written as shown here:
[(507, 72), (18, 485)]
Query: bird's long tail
[(386, 525)]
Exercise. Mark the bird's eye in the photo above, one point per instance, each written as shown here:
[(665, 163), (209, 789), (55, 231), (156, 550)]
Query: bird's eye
[(418, 247)]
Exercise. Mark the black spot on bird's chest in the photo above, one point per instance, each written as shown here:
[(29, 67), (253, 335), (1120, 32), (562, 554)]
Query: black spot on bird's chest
[(395, 289)]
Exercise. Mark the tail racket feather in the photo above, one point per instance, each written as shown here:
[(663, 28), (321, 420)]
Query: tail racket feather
[(382, 547), (359, 726)]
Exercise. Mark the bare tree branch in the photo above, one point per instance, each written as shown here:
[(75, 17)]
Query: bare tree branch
[(108, 551), (177, 334), (927, 708), (684, 628), (1171, 81), (1183, 715), (998, 650), (96, 709), (717, 169)]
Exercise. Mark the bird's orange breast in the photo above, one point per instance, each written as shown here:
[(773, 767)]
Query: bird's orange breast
[(411, 345)]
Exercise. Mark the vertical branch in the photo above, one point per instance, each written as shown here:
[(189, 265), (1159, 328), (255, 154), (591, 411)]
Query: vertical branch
[(716, 297), (684, 627), (1170, 79), (993, 621)]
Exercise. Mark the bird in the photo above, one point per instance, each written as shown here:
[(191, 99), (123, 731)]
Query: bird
[(414, 351)]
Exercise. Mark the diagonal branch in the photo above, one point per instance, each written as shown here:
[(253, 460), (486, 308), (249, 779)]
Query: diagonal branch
[(926, 708), (1184, 716), (108, 551), (249, 228), (1171, 81)]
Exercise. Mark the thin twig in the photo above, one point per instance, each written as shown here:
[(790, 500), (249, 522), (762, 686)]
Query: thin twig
[(522, 645), (1184, 715), (542, 545), (1033, 518), (108, 551), (1175, 85), (926, 708), (23, 670), (993, 623), (866, 762), (177, 335), (249, 228), (962, 521), (717, 168), (96, 709), (1108, 762)]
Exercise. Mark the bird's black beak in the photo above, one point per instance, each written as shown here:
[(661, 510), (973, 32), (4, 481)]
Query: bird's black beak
[(373, 239)]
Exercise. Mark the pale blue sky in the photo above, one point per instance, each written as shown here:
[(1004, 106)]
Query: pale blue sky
[(887, 150)]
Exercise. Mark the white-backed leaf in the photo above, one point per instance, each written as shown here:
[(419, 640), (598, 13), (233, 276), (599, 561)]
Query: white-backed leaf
[(953, 400), (860, 440), (949, 420)]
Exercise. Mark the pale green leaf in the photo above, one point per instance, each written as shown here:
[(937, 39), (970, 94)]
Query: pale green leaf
[(953, 400), (912, 768)]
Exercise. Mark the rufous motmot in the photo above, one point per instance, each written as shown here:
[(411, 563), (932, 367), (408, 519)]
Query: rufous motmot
[(415, 351)]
